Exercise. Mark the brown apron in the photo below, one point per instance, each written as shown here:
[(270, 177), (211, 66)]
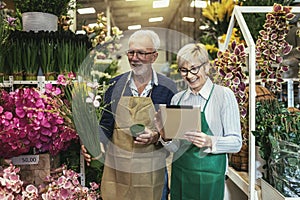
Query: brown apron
[(133, 171)]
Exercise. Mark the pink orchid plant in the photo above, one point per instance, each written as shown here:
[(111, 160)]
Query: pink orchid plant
[(64, 186), (34, 120), (11, 186)]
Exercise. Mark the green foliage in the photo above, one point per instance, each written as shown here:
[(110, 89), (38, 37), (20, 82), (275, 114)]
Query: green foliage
[(255, 21), (274, 120), (60, 51), (56, 7)]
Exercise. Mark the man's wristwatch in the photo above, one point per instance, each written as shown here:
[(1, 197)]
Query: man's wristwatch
[(162, 141)]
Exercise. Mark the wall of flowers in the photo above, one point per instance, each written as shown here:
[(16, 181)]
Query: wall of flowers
[(39, 120)]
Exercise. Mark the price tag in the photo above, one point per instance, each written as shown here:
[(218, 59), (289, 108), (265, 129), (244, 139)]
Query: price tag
[(26, 160)]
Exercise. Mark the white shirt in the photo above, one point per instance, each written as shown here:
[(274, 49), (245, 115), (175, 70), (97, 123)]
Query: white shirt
[(148, 87), (222, 115)]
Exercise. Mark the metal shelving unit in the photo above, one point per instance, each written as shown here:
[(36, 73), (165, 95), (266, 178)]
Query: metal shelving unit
[(237, 16)]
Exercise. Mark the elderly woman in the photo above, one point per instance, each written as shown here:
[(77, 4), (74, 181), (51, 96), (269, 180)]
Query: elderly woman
[(200, 160)]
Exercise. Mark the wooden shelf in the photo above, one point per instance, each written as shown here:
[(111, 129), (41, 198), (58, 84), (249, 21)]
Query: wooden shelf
[(242, 181)]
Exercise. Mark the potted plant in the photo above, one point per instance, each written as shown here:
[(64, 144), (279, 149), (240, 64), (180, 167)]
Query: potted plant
[(277, 135), (37, 13)]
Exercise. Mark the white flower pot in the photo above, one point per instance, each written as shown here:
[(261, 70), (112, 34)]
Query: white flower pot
[(39, 21)]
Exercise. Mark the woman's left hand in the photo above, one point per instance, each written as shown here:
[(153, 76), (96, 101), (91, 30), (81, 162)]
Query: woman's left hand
[(198, 138)]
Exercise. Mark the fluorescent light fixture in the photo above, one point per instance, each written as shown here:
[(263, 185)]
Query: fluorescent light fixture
[(80, 32), (156, 19), (188, 19), (160, 3), (83, 11), (199, 4), (134, 27)]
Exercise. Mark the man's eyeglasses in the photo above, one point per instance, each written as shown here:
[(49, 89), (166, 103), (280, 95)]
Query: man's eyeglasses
[(193, 70), (139, 54)]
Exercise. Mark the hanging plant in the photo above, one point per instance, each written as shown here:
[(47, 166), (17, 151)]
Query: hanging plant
[(271, 46), (229, 65)]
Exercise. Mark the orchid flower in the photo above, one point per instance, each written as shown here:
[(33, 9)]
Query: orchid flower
[(94, 99)]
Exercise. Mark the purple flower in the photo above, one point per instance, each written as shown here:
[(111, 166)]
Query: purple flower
[(11, 21)]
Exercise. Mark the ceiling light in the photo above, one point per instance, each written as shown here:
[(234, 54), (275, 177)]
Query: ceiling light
[(156, 19), (199, 4), (83, 11), (160, 4), (188, 19), (134, 27)]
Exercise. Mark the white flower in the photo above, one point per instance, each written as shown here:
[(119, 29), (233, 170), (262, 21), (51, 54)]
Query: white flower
[(93, 85), (94, 99)]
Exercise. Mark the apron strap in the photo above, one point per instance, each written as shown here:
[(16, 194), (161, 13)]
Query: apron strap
[(128, 78), (208, 97)]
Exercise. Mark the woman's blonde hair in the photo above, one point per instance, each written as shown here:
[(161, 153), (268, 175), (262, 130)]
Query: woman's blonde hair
[(192, 52)]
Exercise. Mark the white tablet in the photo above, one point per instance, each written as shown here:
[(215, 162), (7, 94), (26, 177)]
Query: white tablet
[(179, 119)]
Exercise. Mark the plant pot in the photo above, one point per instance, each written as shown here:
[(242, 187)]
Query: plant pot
[(33, 168), (136, 130), (50, 76), (39, 21), (30, 77), (18, 76)]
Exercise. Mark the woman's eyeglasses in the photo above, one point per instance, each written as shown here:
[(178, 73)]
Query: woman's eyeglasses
[(139, 54), (193, 70)]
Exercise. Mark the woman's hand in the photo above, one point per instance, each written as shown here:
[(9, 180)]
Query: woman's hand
[(198, 138), (148, 137)]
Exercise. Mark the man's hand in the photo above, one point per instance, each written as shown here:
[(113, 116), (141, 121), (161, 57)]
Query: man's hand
[(86, 155), (148, 137)]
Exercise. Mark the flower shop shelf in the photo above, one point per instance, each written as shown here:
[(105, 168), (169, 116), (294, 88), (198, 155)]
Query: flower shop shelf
[(249, 186), (241, 180), (40, 82), (270, 193)]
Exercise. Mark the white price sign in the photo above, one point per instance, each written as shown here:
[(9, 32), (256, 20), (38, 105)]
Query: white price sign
[(26, 160)]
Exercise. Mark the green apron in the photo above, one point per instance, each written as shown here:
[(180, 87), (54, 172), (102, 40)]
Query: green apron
[(194, 176)]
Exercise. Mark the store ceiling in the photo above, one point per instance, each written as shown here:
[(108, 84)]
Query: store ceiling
[(125, 13)]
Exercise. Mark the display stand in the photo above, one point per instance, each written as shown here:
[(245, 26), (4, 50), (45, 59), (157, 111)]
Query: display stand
[(41, 82), (237, 15)]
